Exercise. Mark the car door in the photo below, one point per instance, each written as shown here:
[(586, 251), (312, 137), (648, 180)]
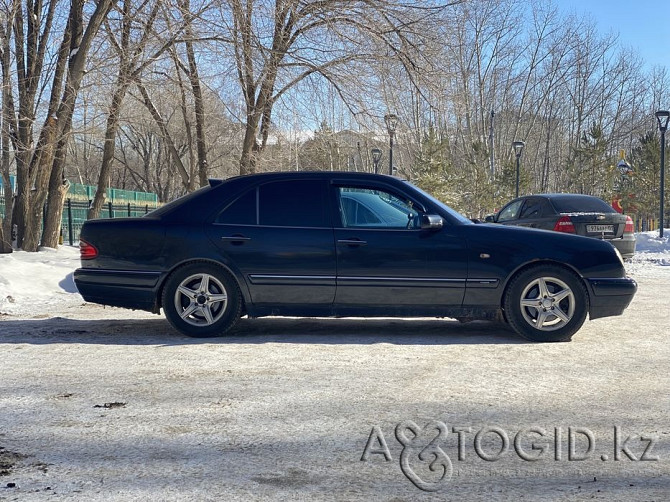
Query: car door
[(534, 213), (509, 215), (385, 259), (279, 237)]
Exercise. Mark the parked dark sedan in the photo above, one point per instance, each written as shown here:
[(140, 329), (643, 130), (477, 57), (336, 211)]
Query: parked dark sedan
[(343, 244), (573, 214)]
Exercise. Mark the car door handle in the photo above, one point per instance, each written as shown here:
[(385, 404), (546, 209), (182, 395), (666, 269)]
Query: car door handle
[(236, 239), (352, 242)]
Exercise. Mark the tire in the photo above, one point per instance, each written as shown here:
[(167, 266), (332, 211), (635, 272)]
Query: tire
[(546, 303), (201, 300)]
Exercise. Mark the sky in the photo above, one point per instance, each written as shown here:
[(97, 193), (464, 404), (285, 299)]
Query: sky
[(641, 24)]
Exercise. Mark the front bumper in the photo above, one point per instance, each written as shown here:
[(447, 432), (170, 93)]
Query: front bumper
[(118, 288), (610, 297)]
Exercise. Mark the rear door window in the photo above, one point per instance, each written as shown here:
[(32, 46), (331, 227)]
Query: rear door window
[(241, 212), (294, 203), (535, 208)]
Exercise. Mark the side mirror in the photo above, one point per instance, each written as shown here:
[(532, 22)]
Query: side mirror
[(490, 218), (431, 222)]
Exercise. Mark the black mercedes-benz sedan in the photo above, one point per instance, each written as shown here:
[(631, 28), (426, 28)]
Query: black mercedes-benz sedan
[(343, 244)]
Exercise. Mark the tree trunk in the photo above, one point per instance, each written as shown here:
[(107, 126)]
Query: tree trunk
[(203, 166), (22, 201), (58, 188), (188, 129), (4, 249), (110, 144), (160, 122), (30, 48), (249, 146), (43, 160), (80, 44), (5, 138), (6, 223)]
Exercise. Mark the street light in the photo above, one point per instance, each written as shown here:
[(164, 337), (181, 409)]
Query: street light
[(376, 157), (518, 148), (391, 124), (662, 116)]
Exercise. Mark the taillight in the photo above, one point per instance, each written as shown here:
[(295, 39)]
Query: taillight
[(629, 228), (87, 251), (564, 224)]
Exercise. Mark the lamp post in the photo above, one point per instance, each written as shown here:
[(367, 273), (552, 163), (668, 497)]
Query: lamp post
[(518, 148), (663, 116), (376, 157), (391, 124)]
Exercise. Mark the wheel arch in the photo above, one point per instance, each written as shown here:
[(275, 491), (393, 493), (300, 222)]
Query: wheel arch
[(528, 265), (239, 279)]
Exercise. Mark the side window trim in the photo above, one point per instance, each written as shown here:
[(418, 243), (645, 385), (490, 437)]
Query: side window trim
[(339, 183)]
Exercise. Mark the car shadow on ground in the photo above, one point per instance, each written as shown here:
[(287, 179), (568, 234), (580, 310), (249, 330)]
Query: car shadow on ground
[(342, 331)]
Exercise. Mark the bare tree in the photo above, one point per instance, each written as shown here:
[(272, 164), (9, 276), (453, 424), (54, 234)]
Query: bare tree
[(194, 80), (131, 62), (6, 130), (39, 165), (275, 48)]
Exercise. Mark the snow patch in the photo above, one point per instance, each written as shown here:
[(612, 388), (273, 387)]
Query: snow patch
[(652, 255), (33, 284)]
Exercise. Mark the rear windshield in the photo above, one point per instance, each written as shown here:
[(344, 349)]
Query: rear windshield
[(581, 204), (177, 202)]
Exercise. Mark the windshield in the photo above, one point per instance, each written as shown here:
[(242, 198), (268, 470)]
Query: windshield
[(454, 214)]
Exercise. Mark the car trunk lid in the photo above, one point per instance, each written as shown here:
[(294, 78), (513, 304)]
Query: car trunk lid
[(600, 225)]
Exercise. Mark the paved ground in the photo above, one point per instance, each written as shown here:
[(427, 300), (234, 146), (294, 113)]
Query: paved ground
[(106, 404)]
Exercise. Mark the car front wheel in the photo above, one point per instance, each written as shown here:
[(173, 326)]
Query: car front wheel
[(546, 304), (201, 300)]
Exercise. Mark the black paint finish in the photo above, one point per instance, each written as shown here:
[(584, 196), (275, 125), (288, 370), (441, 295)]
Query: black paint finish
[(307, 262)]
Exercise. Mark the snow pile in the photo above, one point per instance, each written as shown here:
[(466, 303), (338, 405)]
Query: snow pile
[(650, 242), (651, 252), (32, 284)]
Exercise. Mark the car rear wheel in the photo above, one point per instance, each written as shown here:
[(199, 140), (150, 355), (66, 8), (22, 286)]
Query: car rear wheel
[(201, 300), (546, 304)]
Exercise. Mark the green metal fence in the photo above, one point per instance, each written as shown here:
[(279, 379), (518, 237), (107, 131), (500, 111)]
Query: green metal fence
[(119, 204), (75, 213), (80, 192)]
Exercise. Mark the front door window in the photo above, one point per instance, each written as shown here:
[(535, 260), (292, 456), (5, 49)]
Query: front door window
[(372, 208)]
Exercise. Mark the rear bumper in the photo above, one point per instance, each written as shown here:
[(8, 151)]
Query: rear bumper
[(625, 246), (610, 296), (118, 288)]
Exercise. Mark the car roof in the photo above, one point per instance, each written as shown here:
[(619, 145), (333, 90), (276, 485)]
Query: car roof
[(305, 174), (559, 196)]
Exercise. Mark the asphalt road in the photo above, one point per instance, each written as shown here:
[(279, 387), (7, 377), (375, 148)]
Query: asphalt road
[(106, 404)]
